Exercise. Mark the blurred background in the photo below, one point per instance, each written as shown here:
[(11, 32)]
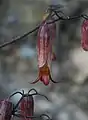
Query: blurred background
[(18, 62)]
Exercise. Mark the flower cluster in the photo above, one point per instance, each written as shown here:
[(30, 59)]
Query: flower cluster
[(24, 109)]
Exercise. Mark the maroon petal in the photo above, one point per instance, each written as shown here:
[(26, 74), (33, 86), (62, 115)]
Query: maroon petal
[(35, 81)]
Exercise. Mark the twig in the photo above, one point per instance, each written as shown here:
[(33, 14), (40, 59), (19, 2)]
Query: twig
[(36, 28)]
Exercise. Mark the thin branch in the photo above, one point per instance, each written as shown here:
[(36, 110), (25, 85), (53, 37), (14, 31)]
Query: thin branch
[(36, 28), (21, 37), (32, 117)]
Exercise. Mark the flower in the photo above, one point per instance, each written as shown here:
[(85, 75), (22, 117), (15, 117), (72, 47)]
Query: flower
[(44, 74), (84, 31), (27, 107), (44, 52)]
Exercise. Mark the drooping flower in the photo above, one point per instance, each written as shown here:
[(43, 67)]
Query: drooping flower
[(27, 107), (84, 37), (5, 110), (45, 54)]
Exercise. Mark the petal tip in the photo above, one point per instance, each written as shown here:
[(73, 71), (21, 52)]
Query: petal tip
[(34, 81)]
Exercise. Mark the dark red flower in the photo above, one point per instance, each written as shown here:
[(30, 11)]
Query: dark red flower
[(84, 32), (45, 54), (27, 107), (5, 110)]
